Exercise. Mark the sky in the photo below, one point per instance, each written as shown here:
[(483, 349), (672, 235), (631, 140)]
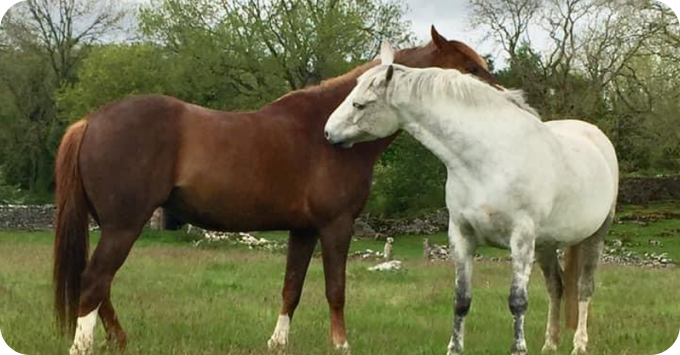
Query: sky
[(451, 19)]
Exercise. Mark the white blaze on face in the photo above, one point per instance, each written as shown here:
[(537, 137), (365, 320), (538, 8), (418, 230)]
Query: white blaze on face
[(339, 123), (82, 342), (280, 336)]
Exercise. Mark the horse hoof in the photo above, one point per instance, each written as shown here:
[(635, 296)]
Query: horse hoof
[(519, 350), (79, 351), (578, 351), (455, 347), (549, 346), (276, 344), (113, 344), (343, 349)]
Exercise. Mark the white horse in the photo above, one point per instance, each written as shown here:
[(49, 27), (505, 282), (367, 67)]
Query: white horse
[(513, 181)]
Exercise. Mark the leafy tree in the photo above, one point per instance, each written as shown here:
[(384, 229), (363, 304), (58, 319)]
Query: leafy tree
[(298, 42), (608, 62), (112, 72), (42, 41)]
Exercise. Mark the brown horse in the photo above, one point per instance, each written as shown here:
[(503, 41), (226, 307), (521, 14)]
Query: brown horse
[(270, 169)]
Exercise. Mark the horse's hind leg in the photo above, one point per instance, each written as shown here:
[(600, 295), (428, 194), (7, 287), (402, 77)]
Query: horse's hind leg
[(112, 250), (589, 255), (115, 336), (552, 272), (301, 246)]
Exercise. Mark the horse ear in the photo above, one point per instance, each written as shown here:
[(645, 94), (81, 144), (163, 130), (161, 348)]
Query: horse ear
[(390, 73), (438, 39), (386, 53)]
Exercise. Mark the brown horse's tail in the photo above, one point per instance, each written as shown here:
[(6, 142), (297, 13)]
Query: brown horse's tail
[(71, 244), (571, 270)]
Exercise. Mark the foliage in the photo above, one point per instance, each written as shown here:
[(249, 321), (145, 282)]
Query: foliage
[(601, 65), (9, 194), (114, 71), (41, 44), (408, 178)]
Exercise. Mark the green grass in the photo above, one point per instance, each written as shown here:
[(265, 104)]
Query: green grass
[(173, 298)]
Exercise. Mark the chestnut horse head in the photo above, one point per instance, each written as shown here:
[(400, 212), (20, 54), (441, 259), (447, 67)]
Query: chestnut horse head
[(262, 170)]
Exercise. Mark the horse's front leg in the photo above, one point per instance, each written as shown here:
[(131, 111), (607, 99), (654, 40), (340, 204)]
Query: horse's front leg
[(522, 242), (301, 244), (335, 238), (462, 252)]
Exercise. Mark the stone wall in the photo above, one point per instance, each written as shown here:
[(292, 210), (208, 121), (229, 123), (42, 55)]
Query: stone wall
[(632, 191), (640, 191), (28, 217)]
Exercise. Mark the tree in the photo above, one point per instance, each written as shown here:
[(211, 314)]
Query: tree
[(593, 68), (58, 29), (508, 20), (111, 72), (42, 43), (298, 41)]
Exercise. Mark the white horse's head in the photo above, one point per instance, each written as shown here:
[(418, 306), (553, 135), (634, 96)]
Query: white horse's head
[(365, 114)]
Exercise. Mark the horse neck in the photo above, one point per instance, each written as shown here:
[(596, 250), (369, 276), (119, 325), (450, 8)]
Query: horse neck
[(466, 139)]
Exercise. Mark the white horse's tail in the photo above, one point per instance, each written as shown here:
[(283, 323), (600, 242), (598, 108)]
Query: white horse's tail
[(571, 270)]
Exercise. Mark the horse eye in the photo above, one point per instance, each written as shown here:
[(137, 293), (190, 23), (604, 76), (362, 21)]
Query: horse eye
[(359, 106)]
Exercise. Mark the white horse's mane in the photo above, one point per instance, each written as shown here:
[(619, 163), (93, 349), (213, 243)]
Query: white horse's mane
[(430, 84)]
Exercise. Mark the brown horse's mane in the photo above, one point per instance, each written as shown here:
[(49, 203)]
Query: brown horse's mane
[(346, 81), (347, 78), (356, 72), (328, 84)]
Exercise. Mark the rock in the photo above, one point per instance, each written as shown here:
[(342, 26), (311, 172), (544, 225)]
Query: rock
[(192, 229), (393, 265), (380, 236), (241, 238), (367, 254), (655, 243), (362, 228), (387, 250), (156, 221)]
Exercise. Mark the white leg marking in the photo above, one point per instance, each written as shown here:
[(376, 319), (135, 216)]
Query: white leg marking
[(280, 336), (456, 345), (581, 335), (343, 348), (82, 342), (553, 328)]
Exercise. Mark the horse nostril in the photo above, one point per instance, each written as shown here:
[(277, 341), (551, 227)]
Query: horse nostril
[(328, 135)]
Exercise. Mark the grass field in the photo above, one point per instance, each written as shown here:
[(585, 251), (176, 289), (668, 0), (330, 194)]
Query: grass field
[(173, 298)]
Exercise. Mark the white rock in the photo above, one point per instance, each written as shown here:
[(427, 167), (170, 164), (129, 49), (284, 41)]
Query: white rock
[(387, 266)]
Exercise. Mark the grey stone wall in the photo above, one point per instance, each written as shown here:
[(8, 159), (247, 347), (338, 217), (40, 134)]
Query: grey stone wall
[(26, 217), (631, 191)]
